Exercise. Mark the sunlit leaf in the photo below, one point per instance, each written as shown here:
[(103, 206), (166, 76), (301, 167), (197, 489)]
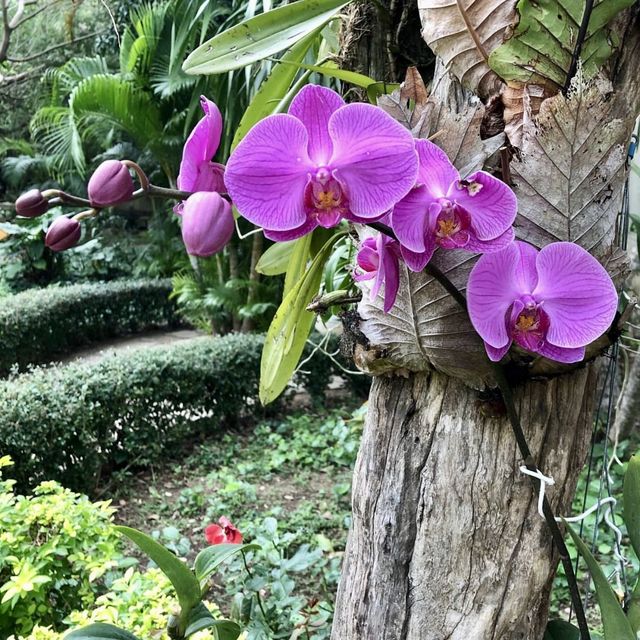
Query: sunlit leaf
[(290, 328), (275, 259), (261, 36), (100, 631)]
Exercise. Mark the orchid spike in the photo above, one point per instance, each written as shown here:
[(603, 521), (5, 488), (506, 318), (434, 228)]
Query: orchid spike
[(378, 260), (197, 171), (475, 214), (322, 162), (552, 302)]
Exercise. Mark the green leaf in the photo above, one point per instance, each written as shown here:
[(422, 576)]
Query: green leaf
[(633, 613), (275, 259), (226, 630), (184, 582), (100, 631), (561, 630), (631, 502), (290, 328), (274, 89), (261, 36), (297, 262), (377, 89), (615, 623), (209, 559), (541, 47), (332, 70)]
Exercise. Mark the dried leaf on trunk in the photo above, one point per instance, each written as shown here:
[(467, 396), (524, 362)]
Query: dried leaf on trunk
[(521, 105), (569, 180), (464, 33)]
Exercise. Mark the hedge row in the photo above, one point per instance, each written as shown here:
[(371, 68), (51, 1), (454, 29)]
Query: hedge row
[(40, 324), (78, 423)]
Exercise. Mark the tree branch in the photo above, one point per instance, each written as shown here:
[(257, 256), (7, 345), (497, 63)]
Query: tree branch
[(14, 25)]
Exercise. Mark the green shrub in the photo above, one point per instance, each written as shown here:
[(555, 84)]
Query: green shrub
[(39, 324), (137, 602), (54, 547), (74, 423)]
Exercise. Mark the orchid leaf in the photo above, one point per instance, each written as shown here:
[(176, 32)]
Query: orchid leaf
[(275, 260), (332, 70), (543, 43), (181, 577), (377, 89), (275, 88), (100, 631), (290, 328), (631, 502), (298, 262), (615, 623), (260, 37)]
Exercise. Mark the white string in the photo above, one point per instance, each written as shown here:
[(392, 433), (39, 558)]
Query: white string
[(249, 233), (610, 501)]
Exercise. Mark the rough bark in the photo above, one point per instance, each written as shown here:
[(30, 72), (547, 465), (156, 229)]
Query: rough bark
[(446, 541)]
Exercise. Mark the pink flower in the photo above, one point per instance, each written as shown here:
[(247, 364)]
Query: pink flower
[(62, 234), (378, 260), (322, 162), (222, 532), (197, 171), (207, 223), (110, 184), (31, 204), (475, 214), (552, 302)]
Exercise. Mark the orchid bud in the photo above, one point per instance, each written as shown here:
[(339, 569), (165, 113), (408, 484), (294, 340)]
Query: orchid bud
[(111, 183), (63, 234), (31, 204), (207, 223)]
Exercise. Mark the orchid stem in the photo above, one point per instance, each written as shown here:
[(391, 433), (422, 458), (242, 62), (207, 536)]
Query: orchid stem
[(258, 597)]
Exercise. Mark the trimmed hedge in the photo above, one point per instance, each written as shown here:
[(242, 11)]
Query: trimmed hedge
[(39, 324), (77, 423)]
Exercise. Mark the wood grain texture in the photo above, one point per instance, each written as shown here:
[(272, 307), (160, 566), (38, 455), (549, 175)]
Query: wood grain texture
[(446, 542)]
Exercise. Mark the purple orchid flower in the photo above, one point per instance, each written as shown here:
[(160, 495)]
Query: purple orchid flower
[(552, 302), (322, 162), (475, 214), (378, 260), (197, 171)]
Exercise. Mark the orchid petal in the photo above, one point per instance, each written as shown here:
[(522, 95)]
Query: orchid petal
[(491, 246), (367, 257), (491, 290), (410, 220), (391, 279), (490, 202), (267, 173), (313, 106), (292, 234), (576, 293), (561, 354), (436, 172), (201, 146), (417, 261), (496, 354), (373, 157)]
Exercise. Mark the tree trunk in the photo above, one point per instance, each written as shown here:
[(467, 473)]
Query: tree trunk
[(446, 541)]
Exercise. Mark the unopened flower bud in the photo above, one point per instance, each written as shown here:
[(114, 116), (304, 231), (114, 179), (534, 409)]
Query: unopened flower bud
[(63, 233), (111, 183), (207, 223), (31, 204)]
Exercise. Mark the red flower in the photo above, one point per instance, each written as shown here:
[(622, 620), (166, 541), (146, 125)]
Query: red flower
[(222, 532)]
